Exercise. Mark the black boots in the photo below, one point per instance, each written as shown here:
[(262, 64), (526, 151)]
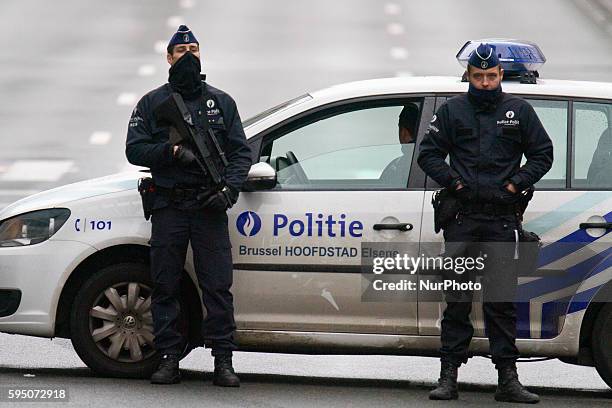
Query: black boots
[(447, 384), (167, 371), (509, 389), (224, 375)]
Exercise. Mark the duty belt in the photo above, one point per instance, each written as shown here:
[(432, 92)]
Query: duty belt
[(488, 208), (182, 192)]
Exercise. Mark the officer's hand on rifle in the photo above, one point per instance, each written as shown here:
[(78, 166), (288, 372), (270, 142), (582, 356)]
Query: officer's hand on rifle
[(184, 155), (222, 200)]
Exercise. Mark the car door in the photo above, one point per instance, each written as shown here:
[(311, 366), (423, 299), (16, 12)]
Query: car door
[(554, 213), (297, 248), (571, 216)]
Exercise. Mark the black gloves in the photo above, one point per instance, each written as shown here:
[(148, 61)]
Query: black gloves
[(222, 200), (184, 156)]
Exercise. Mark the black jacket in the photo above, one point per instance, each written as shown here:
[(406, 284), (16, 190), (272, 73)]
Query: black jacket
[(486, 147), (147, 143)]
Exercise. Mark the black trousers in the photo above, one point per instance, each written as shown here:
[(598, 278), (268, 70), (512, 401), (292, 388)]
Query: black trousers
[(172, 231), (495, 238)]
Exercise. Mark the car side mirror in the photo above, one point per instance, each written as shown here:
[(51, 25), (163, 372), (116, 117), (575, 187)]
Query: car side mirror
[(261, 177)]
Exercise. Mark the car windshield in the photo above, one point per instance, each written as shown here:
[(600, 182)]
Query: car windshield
[(254, 119)]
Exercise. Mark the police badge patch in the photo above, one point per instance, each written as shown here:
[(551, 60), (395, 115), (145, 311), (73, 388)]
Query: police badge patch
[(135, 118)]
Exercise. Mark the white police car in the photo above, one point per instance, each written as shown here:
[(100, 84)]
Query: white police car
[(74, 260)]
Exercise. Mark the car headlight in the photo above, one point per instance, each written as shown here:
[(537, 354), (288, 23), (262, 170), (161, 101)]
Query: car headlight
[(32, 228)]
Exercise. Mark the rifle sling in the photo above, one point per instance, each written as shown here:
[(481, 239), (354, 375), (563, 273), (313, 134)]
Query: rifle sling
[(199, 142)]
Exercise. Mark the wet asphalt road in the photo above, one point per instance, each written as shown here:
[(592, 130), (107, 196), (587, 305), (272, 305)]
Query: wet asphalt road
[(280, 380), (262, 390), (72, 72)]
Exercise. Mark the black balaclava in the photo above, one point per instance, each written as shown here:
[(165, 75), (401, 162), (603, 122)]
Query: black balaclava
[(184, 76)]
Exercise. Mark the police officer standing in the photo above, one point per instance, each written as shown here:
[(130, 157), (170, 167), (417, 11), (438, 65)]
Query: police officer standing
[(485, 132), (189, 207)]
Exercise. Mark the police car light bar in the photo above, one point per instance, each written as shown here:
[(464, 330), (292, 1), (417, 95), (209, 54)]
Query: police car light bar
[(519, 59)]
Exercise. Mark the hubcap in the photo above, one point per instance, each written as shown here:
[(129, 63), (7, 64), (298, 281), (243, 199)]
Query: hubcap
[(121, 323), (129, 322)]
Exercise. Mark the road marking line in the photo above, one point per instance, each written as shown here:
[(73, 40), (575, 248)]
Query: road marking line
[(37, 170), (174, 21), (399, 53), (17, 192), (600, 11), (126, 98), (100, 138), (395, 29), (146, 70), (130, 167), (186, 4), (160, 47), (592, 9), (392, 9)]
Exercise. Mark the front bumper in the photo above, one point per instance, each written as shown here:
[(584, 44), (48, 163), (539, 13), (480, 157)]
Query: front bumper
[(39, 273), (9, 301)]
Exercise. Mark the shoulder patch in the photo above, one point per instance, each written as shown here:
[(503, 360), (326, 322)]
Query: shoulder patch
[(135, 118)]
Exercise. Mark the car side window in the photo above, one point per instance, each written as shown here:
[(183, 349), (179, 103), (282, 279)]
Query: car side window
[(592, 162), (363, 146), (553, 115)]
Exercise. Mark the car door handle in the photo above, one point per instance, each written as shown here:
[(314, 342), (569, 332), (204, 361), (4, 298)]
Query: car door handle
[(606, 225), (404, 226)]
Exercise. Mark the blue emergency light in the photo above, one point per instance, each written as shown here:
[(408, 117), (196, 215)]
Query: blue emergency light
[(519, 59)]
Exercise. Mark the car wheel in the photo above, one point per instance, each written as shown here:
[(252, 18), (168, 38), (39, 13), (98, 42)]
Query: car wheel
[(111, 322), (602, 343)]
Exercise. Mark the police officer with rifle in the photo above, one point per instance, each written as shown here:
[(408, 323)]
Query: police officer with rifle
[(191, 137)]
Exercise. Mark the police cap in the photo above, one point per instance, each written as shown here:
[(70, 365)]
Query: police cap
[(484, 57), (182, 36)]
